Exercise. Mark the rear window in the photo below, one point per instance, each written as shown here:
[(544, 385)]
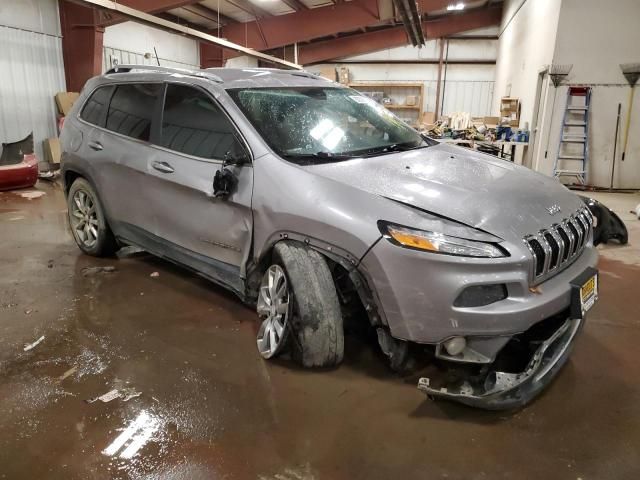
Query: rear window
[(93, 111), (131, 109)]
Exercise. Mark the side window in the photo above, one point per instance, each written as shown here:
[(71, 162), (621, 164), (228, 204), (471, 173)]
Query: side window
[(131, 109), (193, 124), (93, 111)]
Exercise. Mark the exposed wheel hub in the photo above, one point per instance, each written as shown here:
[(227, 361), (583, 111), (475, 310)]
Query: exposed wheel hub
[(273, 308), (84, 218)]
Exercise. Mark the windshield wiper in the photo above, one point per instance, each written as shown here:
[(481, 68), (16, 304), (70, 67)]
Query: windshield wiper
[(394, 147), (318, 157)]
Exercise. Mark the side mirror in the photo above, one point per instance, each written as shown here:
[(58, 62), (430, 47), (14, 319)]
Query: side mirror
[(235, 158), (224, 182)]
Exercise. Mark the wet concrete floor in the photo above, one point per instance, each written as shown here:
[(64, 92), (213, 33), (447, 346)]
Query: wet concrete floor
[(210, 407)]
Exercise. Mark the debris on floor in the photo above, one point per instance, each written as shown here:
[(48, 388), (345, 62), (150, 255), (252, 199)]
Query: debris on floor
[(155, 274), (89, 271), (30, 346), (68, 373), (32, 194), (125, 394)]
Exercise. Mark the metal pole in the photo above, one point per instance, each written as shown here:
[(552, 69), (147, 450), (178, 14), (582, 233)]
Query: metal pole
[(439, 84), (444, 83), (615, 144)]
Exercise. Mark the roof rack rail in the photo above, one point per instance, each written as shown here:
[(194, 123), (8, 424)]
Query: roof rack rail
[(154, 68)]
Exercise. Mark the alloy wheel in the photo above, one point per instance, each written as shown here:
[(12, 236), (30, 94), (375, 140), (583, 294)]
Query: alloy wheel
[(84, 218), (273, 308)]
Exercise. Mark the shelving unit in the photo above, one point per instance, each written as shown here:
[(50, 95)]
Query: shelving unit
[(398, 93)]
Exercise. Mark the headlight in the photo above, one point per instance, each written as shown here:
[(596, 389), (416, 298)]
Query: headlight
[(439, 242)]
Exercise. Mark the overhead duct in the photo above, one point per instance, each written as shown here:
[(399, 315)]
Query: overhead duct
[(408, 10), (153, 21)]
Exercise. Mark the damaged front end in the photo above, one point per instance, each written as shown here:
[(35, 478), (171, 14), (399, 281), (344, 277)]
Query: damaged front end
[(522, 369)]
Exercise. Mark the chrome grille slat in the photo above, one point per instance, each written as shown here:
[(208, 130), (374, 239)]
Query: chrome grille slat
[(556, 247)]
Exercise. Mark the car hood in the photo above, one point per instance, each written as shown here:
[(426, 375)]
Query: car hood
[(473, 188)]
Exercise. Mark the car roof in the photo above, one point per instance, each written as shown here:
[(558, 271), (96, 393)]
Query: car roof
[(225, 77)]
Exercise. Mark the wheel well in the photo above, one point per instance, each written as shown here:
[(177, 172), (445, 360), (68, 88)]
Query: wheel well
[(70, 177), (350, 285)]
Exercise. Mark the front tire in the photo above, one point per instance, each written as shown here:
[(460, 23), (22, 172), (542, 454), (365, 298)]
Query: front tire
[(314, 318), (88, 223)]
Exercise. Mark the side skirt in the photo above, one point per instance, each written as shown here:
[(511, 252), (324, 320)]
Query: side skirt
[(221, 273)]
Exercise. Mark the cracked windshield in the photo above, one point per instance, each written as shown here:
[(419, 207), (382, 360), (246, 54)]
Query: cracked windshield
[(319, 125)]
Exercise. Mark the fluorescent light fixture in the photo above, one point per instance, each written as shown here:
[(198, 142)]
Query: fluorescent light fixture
[(456, 6)]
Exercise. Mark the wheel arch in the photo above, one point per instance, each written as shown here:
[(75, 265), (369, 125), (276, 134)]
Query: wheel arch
[(342, 264)]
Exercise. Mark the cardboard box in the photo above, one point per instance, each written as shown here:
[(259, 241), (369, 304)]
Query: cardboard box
[(65, 100), (429, 118), (52, 150), (410, 100), (328, 73), (492, 122)]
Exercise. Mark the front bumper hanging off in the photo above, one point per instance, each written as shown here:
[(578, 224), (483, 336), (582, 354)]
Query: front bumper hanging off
[(502, 390)]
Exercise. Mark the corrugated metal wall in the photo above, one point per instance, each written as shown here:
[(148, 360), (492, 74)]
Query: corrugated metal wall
[(32, 71), (475, 97)]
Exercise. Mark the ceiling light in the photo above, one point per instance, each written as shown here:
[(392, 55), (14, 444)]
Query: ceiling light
[(456, 6)]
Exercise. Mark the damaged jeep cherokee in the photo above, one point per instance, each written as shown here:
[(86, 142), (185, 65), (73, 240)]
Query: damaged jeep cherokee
[(303, 196)]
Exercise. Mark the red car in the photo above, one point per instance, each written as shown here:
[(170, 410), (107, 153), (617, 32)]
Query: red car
[(18, 165)]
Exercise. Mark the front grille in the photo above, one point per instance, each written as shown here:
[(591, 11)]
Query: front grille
[(556, 247)]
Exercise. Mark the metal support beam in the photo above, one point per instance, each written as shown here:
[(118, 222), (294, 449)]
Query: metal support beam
[(148, 6), (444, 26), (81, 44), (297, 5), (161, 23), (208, 14), (211, 55), (304, 25), (251, 8)]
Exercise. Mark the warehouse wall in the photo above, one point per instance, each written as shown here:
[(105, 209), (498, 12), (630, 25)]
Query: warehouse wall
[(595, 58), (128, 42), (526, 46), (468, 88), (32, 70)]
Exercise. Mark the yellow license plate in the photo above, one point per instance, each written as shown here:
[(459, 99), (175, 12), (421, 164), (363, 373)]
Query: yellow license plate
[(589, 294)]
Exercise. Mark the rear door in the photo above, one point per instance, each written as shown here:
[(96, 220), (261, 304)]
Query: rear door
[(212, 234), (122, 148)]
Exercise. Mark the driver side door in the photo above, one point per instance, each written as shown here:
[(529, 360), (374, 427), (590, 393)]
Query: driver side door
[(210, 234)]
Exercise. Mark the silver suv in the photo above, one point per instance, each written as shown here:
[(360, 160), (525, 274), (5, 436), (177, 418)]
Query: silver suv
[(311, 201)]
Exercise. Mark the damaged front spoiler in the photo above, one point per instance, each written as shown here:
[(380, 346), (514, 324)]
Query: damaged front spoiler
[(504, 391)]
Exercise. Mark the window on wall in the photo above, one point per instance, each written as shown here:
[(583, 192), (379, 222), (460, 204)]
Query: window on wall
[(94, 109), (193, 124), (131, 109)]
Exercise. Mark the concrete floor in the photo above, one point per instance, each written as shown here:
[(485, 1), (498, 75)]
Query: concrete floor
[(211, 408)]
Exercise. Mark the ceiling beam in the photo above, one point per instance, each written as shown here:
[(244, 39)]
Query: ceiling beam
[(157, 22), (304, 25), (208, 14), (396, 36), (252, 9), (297, 5), (147, 6)]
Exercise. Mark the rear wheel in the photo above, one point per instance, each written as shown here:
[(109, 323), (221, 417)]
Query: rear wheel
[(298, 302), (87, 220)]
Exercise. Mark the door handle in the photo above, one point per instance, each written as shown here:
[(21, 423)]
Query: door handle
[(163, 167), (97, 146)]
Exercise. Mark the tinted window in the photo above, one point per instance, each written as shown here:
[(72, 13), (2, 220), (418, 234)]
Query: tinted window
[(193, 124), (131, 109), (93, 111)]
